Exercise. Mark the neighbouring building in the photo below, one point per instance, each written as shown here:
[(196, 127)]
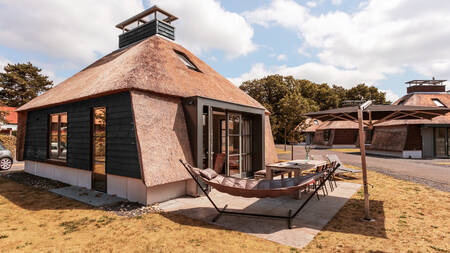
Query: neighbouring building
[(335, 134), (416, 138), (10, 120), (121, 124)]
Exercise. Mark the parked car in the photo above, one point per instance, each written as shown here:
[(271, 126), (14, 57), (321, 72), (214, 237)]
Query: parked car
[(6, 158)]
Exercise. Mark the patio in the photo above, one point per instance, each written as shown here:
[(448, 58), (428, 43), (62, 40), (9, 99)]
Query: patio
[(306, 225)]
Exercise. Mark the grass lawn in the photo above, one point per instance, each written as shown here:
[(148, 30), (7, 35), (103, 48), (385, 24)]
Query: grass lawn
[(408, 217)]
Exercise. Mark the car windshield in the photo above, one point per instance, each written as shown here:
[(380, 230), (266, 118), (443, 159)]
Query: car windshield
[(2, 147)]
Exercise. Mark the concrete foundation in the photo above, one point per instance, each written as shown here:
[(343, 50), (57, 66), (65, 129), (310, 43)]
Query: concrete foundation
[(131, 189), (71, 176)]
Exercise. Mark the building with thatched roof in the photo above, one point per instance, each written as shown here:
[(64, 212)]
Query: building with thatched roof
[(335, 134), (121, 124), (416, 138)]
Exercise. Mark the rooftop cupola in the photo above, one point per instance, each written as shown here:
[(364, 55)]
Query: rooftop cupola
[(432, 85), (145, 24)]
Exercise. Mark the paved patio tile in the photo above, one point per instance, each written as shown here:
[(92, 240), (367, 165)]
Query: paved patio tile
[(306, 225), (90, 197)]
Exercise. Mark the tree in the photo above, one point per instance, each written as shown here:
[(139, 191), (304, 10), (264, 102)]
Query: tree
[(364, 92), (22, 82), (292, 106), (288, 98)]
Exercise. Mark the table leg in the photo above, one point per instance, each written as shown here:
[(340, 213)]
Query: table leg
[(269, 173), (296, 173)]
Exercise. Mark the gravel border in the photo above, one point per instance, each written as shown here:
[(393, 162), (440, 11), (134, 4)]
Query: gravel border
[(24, 178), (131, 209)]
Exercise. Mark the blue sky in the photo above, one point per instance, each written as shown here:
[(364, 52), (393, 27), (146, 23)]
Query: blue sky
[(344, 42)]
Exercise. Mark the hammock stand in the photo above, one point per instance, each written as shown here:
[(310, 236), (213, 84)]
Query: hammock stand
[(290, 215)]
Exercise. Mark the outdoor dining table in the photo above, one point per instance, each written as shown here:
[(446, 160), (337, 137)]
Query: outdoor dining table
[(294, 166)]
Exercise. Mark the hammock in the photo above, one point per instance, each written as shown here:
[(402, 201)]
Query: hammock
[(251, 188), (257, 188)]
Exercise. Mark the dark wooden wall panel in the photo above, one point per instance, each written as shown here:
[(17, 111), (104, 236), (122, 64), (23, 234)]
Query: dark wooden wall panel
[(121, 150)]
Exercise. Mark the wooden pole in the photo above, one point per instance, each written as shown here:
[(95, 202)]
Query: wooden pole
[(363, 164), (285, 142), (292, 152)]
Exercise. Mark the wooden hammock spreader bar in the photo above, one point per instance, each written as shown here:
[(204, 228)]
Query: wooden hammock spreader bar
[(289, 217)]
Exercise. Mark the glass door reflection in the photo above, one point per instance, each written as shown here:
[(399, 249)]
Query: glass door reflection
[(99, 149)]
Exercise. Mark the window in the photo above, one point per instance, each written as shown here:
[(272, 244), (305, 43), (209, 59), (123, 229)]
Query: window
[(99, 149), (185, 60), (326, 135), (438, 103), (57, 148)]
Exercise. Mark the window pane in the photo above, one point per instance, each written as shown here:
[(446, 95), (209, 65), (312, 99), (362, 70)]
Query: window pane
[(233, 125), (53, 152), (234, 145), (63, 147), (99, 122), (54, 124), (99, 148), (63, 124)]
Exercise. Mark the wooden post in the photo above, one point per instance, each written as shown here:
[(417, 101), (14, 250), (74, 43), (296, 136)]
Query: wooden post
[(363, 164), (292, 152)]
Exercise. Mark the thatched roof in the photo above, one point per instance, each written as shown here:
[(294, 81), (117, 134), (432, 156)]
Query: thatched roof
[(422, 99), (149, 65)]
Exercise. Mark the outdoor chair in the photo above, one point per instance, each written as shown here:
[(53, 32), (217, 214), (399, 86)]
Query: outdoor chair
[(251, 188), (342, 169)]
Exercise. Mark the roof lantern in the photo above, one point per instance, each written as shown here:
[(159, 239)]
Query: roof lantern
[(153, 21), (432, 86)]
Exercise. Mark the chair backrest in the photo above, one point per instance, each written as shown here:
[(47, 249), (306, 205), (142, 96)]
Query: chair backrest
[(333, 158), (317, 157)]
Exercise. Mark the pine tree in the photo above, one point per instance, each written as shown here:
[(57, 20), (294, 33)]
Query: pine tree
[(22, 82)]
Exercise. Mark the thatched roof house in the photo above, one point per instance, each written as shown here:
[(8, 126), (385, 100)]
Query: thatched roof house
[(416, 138), (121, 124), (331, 133)]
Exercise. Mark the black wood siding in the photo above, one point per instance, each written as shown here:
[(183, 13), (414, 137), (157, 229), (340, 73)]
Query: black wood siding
[(121, 150), (146, 30)]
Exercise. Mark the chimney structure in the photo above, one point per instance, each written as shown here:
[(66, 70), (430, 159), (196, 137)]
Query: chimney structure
[(428, 86), (153, 21)]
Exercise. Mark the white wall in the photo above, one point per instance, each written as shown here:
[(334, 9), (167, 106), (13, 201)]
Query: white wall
[(63, 174), (131, 189), (128, 188), (161, 193)]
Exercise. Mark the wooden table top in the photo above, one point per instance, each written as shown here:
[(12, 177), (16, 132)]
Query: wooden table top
[(298, 164)]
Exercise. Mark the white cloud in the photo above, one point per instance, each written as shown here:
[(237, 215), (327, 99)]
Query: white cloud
[(75, 31), (281, 57), (380, 39), (390, 95), (3, 63), (336, 2), (257, 71), (311, 4), (316, 72), (206, 25)]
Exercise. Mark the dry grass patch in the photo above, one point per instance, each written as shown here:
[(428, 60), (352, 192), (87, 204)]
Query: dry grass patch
[(409, 217), (34, 220)]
